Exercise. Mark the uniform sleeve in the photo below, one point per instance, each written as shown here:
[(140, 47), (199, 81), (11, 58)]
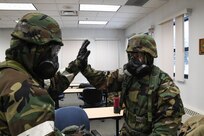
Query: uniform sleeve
[(62, 79), (169, 108), (104, 80), (28, 110)]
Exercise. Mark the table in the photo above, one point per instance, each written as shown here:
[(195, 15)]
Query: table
[(74, 85), (104, 113), (73, 90)]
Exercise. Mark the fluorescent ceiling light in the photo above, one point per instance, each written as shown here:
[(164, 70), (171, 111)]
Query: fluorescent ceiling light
[(93, 7), (17, 6), (93, 22)]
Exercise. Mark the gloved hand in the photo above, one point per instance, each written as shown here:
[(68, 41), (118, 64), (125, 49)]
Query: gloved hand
[(80, 63), (76, 131), (83, 54)]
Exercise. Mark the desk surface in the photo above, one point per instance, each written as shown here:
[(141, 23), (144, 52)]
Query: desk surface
[(102, 112), (74, 85), (73, 90)]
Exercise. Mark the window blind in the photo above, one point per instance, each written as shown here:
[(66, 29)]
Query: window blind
[(167, 47), (179, 40)]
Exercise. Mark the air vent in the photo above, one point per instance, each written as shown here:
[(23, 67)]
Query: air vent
[(190, 112), (68, 13), (136, 2)]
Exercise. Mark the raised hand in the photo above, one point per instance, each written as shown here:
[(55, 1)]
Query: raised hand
[(83, 54)]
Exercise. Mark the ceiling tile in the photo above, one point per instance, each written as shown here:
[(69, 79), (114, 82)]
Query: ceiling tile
[(130, 9), (68, 1), (44, 6), (87, 18), (115, 25), (13, 13), (90, 1), (154, 3), (87, 14), (50, 12), (70, 25), (70, 22), (28, 1), (67, 6), (106, 14), (116, 19), (66, 18), (115, 2), (103, 18), (134, 9), (125, 16)]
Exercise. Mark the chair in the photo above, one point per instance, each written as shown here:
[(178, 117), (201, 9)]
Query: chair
[(71, 115), (60, 97), (92, 97), (83, 85)]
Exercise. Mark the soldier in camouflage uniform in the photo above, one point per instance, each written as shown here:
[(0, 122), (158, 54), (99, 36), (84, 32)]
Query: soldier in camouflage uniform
[(153, 106), (25, 105)]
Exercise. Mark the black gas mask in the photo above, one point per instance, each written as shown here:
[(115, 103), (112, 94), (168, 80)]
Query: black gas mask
[(46, 61), (139, 64)]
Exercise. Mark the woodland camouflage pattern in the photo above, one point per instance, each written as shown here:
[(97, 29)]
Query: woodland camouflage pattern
[(153, 106), (142, 43), (24, 102), (167, 107), (38, 29)]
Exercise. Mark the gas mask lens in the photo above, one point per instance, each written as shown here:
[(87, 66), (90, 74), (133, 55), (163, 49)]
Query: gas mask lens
[(135, 56), (55, 49)]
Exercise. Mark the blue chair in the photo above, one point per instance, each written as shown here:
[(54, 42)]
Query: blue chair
[(71, 115)]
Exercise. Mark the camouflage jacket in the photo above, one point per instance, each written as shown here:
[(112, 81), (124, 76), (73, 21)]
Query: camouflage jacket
[(25, 106), (152, 104)]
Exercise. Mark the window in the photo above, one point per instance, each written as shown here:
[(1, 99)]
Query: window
[(186, 47)]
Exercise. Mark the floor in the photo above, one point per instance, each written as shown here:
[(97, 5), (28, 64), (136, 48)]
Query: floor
[(104, 127)]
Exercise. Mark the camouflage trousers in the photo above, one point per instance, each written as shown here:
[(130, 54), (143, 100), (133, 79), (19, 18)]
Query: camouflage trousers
[(127, 131)]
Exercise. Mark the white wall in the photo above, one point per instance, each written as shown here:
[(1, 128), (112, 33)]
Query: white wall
[(192, 90), (4, 42), (94, 35)]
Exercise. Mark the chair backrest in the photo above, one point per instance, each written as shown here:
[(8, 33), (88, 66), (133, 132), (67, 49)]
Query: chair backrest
[(84, 85), (92, 97), (71, 115)]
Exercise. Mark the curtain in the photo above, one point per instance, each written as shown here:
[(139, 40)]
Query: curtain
[(179, 40)]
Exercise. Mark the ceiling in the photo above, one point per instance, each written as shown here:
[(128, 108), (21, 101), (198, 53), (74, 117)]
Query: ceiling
[(121, 19)]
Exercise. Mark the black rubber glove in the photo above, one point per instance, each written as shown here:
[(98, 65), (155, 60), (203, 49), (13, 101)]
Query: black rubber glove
[(83, 54)]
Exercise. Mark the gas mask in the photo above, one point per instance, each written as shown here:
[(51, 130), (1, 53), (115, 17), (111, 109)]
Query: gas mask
[(139, 64), (46, 61)]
